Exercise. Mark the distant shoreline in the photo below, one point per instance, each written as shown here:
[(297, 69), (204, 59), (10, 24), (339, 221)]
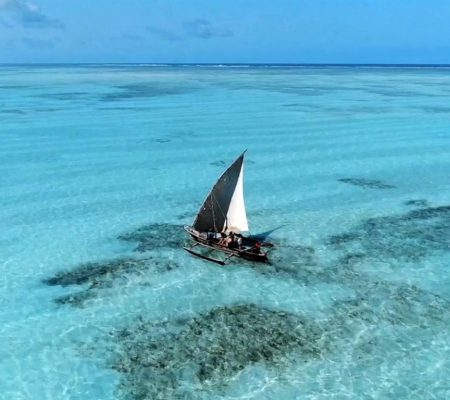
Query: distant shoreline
[(229, 65)]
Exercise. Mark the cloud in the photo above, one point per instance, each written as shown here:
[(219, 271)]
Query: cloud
[(131, 37), (164, 34), (29, 14), (6, 24), (121, 38), (199, 28), (203, 29), (37, 43)]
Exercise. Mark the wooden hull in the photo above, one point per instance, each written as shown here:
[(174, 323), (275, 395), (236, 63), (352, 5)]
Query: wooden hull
[(247, 251)]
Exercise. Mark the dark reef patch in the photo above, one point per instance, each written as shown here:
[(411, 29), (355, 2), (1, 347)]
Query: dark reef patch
[(397, 239), (407, 237), (145, 90), (13, 87), (345, 270), (417, 203), (183, 133), (367, 183), (186, 357), (187, 214), (303, 265), (429, 213), (95, 274), (156, 236), (342, 238), (64, 96), (103, 275), (348, 110), (77, 299), (220, 163), (278, 87), (291, 105), (402, 93), (146, 109), (162, 140), (47, 109), (13, 111), (434, 109), (157, 359), (396, 304), (299, 262)]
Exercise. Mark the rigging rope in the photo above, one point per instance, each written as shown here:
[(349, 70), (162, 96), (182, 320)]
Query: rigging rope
[(220, 208)]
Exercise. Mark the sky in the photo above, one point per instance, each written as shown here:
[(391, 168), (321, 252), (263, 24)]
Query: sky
[(225, 31)]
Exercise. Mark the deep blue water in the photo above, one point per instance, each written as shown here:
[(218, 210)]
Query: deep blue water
[(102, 165)]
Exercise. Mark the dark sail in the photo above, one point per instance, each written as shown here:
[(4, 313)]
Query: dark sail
[(213, 213)]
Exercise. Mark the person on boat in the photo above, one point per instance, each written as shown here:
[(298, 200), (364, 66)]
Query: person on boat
[(211, 235), (257, 248), (239, 240), (225, 240), (232, 243)]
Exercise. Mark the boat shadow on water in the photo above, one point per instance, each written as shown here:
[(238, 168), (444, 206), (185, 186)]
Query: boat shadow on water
[(264, 236)]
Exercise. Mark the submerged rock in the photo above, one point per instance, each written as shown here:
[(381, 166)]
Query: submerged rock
[(210, 348)]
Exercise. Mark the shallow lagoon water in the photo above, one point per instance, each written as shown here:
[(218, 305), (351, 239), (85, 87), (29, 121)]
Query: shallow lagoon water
[(100, 166)]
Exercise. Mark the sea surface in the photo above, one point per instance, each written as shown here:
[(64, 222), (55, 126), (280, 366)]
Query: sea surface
[(347, 171)]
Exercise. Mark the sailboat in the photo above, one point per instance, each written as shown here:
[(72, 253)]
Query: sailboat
[(222, 219)]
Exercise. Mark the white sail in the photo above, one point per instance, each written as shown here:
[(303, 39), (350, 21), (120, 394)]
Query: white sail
[(236, 215), (224, 208)]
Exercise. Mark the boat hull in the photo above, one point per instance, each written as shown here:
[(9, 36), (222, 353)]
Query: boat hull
[(247, 251)]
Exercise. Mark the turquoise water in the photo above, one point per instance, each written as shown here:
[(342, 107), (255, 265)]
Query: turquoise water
[(101, 166)]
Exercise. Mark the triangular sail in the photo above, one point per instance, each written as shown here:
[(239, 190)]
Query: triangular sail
[(236, 215), (224, 208)]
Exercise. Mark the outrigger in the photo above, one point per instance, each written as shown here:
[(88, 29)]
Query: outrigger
[(222, 219)]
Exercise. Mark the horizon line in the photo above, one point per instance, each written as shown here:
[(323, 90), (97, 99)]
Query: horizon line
[(162, 64)]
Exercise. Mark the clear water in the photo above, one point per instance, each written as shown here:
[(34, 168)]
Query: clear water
[(100, 166)]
